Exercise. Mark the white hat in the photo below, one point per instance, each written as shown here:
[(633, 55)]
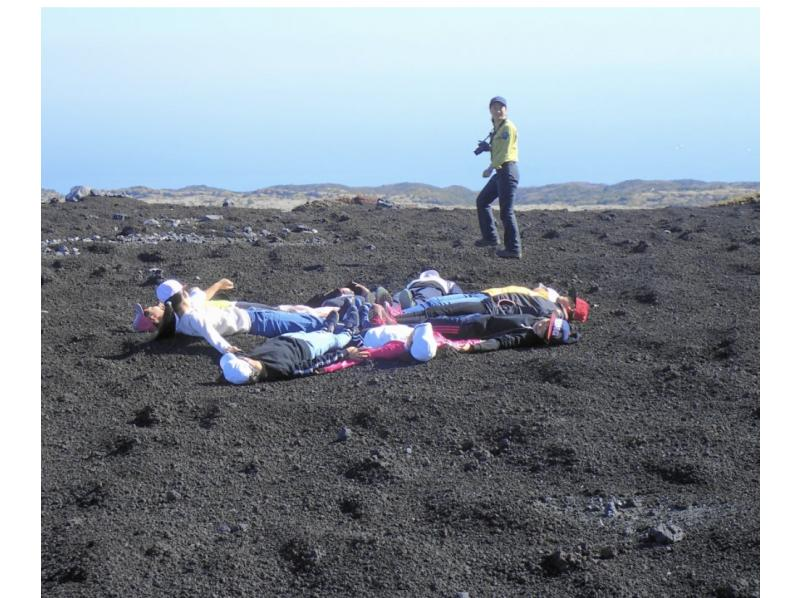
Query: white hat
[(235, 370), (423, 343), (167, 289), (429, 274)]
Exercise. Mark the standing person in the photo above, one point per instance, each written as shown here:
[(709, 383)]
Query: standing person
[(502, 184)]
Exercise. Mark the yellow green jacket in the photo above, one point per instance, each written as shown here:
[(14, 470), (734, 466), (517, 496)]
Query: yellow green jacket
[(504, 144)]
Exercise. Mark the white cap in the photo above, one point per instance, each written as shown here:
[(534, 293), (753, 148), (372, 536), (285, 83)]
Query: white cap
[(167, 289), (235, 370), (423, 343), (429, 274)]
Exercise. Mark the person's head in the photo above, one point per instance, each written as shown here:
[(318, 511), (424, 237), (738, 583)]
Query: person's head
[(238, 369), (554, 330), (166, 327), (575, 308), (167, 289), (498, 108), (147, 319), (422, 343)]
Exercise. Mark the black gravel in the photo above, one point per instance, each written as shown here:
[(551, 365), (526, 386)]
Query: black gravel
[(624, 465)]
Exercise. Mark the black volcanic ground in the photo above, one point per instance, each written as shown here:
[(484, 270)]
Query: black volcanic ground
[(625, 465)]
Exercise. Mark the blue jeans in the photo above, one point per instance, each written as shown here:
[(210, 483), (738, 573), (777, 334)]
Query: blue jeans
[(271, 323), (446, 305), (503, 184), (322, 341)]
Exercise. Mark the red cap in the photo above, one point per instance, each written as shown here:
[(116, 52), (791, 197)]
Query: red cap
[(581, 311)]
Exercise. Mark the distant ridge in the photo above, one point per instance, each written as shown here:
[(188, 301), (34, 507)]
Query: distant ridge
[(634, 193)]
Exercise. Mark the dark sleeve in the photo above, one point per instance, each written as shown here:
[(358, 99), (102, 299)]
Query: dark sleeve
[(309, 367), (485, 346), (512, 340)]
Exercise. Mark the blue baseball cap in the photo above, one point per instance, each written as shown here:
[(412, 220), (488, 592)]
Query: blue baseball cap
[(558, 330), (499, 100)]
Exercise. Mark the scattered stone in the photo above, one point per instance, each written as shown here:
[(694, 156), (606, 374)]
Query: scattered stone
[(223, 528), (344, 434), (610, 510), (173, 495), (641, 247), (665, 533), (77, 193), (118, 216), (482, 455), (128, 231), (145, 417), (228, 203), (551, 234), (462, 594), (151, 222), (211, 217), (559, 562), (302, 228), (608, 552)]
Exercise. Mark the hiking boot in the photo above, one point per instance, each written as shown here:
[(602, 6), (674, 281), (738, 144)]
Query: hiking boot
[(486, 243), (405, 299), (514, 255), (330, 321)]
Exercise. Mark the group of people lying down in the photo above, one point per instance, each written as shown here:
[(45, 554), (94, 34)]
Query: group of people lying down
[(345, 326)]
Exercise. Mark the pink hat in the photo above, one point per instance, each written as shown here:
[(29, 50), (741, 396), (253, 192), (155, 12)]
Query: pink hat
[(167, 289), (141, 323)]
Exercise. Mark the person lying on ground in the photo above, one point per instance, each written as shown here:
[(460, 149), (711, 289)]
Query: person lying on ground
[(147, 319), (182, 316), (427, 285), (291, 355), (482, 326), (572, 306), (519, 301), (418, 343), (546, 331)]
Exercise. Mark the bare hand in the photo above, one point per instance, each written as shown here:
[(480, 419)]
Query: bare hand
[(225, 284), (357, 354), (233, 349)]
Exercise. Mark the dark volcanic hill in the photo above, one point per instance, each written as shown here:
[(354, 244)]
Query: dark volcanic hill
[(624, 465)]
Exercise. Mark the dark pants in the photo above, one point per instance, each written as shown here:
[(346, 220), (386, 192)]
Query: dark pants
[(503, 184)]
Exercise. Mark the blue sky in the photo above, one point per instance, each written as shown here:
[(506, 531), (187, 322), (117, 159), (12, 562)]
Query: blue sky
[(247, 98)]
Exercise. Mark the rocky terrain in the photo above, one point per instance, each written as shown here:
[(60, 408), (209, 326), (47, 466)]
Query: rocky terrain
[(624, 465)]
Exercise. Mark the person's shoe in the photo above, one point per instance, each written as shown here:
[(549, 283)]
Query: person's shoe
[(514, 255), (382, 295), (486, 243), (405, 299), (330, 321), (349, 316)]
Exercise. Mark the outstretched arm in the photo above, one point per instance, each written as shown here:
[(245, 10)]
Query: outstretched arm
[(223, 284)]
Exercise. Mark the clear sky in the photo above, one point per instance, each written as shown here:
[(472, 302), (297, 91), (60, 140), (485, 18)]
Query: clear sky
[(247, 98)]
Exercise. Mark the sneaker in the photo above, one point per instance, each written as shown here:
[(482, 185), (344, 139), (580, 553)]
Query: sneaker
[(330, 321), (514, 255), (486, 243), (405, 299), (382, 295)]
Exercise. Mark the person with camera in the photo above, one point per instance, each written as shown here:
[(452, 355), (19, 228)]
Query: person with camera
[(503, 182)]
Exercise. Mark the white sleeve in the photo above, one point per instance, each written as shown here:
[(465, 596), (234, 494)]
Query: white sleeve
[(200, 325), (197, 297)]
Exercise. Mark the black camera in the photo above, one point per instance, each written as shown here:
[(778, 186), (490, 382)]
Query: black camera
[(483, 146)]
